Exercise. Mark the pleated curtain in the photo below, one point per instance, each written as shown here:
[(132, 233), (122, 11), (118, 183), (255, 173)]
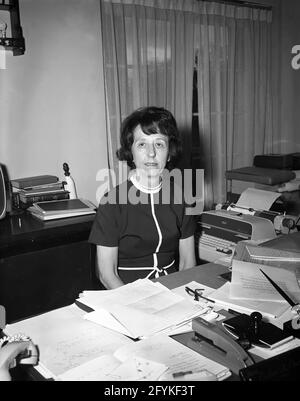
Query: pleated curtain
[(151, 48)]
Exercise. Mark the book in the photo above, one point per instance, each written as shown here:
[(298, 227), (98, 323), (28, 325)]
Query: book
[(60, 216), (30, 196), (50, 210), (32, 181), (25, 202), (40, 189), (64, 206)]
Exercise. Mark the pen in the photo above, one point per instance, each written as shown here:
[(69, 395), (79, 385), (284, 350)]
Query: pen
[(202, 375), (295, 306), (180, 374), (279, 290)]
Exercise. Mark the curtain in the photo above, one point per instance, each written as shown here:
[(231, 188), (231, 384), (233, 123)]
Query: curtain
[(148, 61), (233, 58), (151, 48)]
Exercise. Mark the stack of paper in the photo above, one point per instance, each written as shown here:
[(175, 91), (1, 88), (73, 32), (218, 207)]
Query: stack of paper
[(250, 291), (264, 255), (248, 282), (140, 309)]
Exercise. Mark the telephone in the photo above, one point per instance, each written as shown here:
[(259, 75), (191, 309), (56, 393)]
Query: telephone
[(213, 342), (15, 350)]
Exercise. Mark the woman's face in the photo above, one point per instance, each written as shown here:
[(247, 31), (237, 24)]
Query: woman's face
[(150, 153)]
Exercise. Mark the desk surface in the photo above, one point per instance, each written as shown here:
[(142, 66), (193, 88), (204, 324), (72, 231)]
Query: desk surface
[(207, 274)]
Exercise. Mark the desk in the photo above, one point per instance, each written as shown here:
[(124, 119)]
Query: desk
[(43, 265), (199, 273), (206, 274)]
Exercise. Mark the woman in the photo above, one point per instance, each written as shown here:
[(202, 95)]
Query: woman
[(137, 232)]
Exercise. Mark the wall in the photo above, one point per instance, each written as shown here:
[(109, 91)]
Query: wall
[(52, 97)]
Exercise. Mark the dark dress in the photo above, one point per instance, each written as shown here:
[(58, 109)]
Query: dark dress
[(146, 228)]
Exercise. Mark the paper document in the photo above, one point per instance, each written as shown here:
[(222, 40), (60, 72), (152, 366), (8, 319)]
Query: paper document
[(156, 358), (267, 308), (257, 199), (140, 309), (269, 353), (171, 353), (264, 255), (66, 340), (109, 368), (248, 282)]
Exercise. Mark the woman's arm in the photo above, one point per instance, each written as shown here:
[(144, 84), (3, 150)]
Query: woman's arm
[(187, 257), (107, 266)]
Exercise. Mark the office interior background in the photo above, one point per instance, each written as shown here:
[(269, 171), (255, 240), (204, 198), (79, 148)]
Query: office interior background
[(53, 99)]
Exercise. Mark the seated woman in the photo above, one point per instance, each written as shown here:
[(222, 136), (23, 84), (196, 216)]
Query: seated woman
[(138, 233)]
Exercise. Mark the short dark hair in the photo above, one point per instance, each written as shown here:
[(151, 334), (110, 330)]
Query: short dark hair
[(152, 120)]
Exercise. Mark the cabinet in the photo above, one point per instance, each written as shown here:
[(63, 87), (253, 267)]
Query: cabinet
[(44, 265)]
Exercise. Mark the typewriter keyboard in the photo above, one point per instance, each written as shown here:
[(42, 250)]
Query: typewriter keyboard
[(219, 244)]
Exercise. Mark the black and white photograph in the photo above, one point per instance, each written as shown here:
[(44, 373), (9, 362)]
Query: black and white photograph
[(149, 193)]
